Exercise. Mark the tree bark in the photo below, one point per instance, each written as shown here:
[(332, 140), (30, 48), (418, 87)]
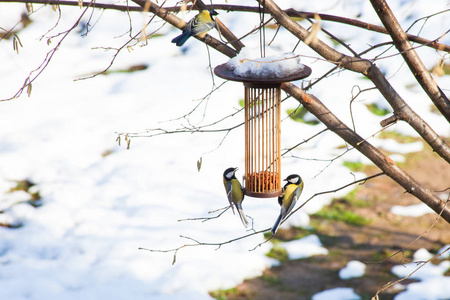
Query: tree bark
[(387, 165), (402, 110), (179, 23), (411, 58), (223, 30)]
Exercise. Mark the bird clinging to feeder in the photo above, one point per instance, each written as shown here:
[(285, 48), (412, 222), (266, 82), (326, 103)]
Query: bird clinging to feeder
[(262, 79), (291, 192), (235, 193)]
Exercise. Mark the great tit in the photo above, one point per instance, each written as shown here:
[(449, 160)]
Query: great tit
[(235, 192), (291, 192), (198, 25)]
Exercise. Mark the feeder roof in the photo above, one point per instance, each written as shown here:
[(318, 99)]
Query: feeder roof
[(226, 71)]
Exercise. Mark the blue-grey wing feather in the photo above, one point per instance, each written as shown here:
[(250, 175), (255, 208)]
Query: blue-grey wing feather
[(229, 191), (196, 27)]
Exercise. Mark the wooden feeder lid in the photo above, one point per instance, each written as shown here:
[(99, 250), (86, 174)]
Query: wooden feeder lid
[(225, 72)]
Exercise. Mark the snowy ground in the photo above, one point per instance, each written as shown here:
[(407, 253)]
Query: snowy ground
[(101, 202)]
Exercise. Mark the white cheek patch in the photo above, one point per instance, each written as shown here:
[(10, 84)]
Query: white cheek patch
[(229, 174), (294, 180)]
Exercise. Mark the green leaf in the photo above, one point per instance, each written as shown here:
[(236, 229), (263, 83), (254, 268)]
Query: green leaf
[(298, 115), (377, 110)]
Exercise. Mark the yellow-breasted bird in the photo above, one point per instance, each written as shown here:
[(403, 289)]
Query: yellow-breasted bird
[(198, 25), (235, 192), (291, 192)]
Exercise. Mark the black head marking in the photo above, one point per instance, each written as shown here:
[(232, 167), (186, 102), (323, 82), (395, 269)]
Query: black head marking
[(229, 173), (294, 179)]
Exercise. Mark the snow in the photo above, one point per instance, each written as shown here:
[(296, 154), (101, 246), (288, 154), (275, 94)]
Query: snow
[(394, 146), (415, 210), (430, 289), (98, 209), (445, 252), (422, 255), (397, 158), (432, 285), (426, 271), (353, 269), (337, 294), (249, 63), (304, 247)]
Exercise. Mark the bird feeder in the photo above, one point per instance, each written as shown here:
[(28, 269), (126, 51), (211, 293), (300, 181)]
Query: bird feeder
[(262, 129)]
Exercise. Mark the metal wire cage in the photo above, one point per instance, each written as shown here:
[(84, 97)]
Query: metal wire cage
[(262, 130)]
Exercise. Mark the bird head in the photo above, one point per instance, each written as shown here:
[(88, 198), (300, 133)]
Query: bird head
[(229, 173), (294, 179), (212, 13)]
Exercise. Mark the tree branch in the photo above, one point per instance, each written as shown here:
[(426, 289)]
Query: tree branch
[(411, 58), (405, 113), (386, 164), (371, 71), (371, 27), (179, 23), (223, 30), (239, 8), (325, 17), (220, 244)]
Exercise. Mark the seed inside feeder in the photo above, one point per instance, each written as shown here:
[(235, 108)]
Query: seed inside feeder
[(262, 181)]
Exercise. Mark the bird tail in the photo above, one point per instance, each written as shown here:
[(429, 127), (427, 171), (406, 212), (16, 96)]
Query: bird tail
[(242, 216), (275, 226), (182, 38)]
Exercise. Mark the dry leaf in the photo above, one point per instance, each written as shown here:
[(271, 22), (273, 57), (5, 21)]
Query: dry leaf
[(199, 164), (29, 7), (29, 89), (441, 62), (147, 6), (16, 43), (183, 6), (315, 28), (437, 71)]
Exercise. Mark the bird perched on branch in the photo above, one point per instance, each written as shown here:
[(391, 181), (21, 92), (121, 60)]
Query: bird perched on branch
[(198, 25), (291, 192), (235, 192)]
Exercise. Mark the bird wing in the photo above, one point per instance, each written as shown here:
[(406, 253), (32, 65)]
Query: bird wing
[(229, 194), (197, 27), (297, 193), (292, 200), (295, 196)]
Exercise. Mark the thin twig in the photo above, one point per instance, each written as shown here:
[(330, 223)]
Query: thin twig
[(388, 285), (48, 57), (218, 245), (204, 219)]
